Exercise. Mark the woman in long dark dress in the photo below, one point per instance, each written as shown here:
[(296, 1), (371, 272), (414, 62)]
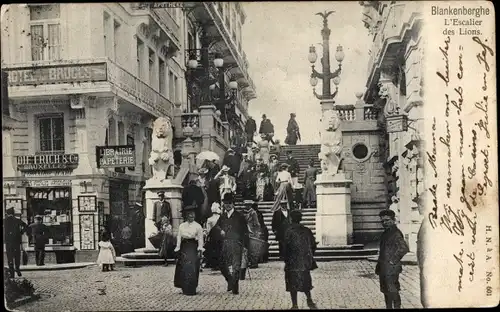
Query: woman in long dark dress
[(299, 247), (189, 248)]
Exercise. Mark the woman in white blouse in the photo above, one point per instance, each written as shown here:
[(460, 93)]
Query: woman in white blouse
[(189, 248), (284, 183)]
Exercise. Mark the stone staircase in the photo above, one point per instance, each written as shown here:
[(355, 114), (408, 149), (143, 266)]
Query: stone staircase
[(303, 154), (345, 252)]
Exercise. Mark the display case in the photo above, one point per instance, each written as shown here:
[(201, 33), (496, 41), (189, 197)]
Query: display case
[(54, 206)]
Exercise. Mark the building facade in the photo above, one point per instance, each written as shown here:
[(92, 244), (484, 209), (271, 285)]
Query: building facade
[(395, 89), (214, 30), (76, 94)]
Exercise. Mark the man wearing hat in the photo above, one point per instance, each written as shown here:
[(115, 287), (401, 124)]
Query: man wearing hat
[(250, 128), (234, 230), (392, 249), (292, 131), (293, 168), (280, 223), (13, 230), (267, 128), (161, 208), (227, 183), (39, 232)]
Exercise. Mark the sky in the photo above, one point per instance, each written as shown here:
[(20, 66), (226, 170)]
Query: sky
[(276, 40)]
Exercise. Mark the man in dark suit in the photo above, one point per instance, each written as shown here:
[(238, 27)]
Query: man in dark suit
[(280, 222), (13, 232), (250, 128), (39, 232), (293, 168), (161, 208), (266, 128), (234, 230), (392, 248), (232, 161)]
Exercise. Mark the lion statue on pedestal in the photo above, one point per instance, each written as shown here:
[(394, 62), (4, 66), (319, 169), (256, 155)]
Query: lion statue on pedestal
[(162, 157), (331, 143)]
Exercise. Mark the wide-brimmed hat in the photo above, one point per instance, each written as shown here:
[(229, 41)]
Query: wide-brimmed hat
[(230, 150), (189, 208), (160, 193), (225, 168), (202, 170), (284, 165), (273, 156)]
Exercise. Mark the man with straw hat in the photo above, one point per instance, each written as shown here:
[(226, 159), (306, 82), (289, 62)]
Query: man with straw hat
[(227, 183)]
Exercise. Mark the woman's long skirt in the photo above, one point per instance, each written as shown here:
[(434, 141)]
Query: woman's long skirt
[(284, 192), (187, 270), (213, 249), (309, 193), (167, 245), (298, 281)]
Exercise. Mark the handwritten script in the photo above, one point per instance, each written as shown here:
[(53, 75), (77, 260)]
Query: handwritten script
[(461, 139)]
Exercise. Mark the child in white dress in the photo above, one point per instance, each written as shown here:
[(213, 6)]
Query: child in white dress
[(107, 253)]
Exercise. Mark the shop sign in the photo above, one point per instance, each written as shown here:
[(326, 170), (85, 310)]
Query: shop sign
[(47, 183), (43, 174), (396, 123), (47, 162), (115, 156), (38, 75)]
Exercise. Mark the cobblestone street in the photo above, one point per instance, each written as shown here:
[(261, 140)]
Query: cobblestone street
[(340, 284)]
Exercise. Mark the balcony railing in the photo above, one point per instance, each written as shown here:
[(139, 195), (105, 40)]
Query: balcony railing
[(190, 119), (147, 98), (357, 112), (370, 113)]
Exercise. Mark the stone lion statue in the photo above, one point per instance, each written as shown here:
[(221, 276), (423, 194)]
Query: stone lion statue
[(331, 143), (162, 157)]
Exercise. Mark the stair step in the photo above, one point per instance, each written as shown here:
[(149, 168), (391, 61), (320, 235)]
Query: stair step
[(326, 258)]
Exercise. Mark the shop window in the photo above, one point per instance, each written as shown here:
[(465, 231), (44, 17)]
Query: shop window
[(45, 32), (51, 131), (54, 205)]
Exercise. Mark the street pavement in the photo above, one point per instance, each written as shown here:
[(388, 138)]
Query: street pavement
[(340, 284)]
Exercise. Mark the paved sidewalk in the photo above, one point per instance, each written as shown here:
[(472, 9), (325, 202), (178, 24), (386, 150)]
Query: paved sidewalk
[(340, 284), (55, 267)]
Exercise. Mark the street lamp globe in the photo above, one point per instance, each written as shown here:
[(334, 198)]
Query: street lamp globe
[(336, 80), (313, 81), (218, 62), (233, 85), (312, 57), (339, 55), (192, 64)]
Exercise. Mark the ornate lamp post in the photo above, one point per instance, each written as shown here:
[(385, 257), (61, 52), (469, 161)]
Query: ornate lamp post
[(326, 75), (211, 79)]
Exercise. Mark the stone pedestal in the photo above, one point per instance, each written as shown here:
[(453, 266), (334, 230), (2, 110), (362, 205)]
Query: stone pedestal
[(333, 215), (173, 194)]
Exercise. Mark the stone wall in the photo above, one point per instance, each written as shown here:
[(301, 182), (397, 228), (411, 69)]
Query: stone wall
[(368, 190)]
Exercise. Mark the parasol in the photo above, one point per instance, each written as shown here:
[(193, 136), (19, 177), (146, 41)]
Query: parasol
[(207, 155)]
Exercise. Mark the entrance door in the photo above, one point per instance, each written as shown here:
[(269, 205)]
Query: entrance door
[(118, 202)]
